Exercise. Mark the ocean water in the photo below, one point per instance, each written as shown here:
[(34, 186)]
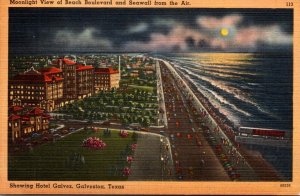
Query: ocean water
[(250, 89)]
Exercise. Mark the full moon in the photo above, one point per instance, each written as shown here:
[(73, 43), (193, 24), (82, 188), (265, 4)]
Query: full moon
[(224, 32)]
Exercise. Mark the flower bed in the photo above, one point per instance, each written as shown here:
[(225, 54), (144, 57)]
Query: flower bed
[(133, 147), (94, 143), (126, 171), (124, 134), (129, 159)]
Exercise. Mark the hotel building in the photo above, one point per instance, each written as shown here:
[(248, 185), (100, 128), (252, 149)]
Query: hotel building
[(78, 79), (34, 88), (106, 78)]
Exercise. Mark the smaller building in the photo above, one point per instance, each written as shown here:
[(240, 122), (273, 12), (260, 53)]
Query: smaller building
[(134, 73), (26, 121), (106, 78), (149, 71), (150, 66)]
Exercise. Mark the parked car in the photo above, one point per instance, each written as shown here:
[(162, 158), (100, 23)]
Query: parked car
[(65, 131), (45, 139), (71, 129), (144, 129), (35, 135)]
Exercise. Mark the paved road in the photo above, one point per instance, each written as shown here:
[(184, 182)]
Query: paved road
[(192, 161)]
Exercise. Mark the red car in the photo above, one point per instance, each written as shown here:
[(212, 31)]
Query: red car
[(189, 136), (179, 134)]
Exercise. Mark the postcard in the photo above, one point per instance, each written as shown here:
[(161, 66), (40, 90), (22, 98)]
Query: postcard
[(149, 97)]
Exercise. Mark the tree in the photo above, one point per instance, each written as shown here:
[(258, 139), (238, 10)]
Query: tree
[(146, 122), (142, 74), (124, 121)]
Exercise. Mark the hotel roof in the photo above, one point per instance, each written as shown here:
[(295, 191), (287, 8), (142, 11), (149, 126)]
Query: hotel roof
[(26, 118), (106, 70), (79, 67), (83, 67), (13, 117), (15, 108), (35, 111), (33, 76), (64, 61), (50, 70), (54, 78)]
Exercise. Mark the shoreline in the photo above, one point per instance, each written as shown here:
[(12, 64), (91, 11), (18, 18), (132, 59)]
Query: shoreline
[(260, 164)]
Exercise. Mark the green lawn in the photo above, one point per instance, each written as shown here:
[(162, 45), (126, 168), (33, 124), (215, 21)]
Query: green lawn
[(50, 161), (144, 88)]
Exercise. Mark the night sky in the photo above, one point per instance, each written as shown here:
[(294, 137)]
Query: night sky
[(52, 30)]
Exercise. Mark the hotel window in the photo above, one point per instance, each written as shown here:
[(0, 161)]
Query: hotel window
[(9, 124), (16, 124)]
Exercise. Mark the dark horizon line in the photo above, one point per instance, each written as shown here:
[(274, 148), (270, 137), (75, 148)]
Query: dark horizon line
[(144, 52)]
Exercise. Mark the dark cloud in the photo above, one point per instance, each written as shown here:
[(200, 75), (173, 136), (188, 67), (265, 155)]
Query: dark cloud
[(45, 30)]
